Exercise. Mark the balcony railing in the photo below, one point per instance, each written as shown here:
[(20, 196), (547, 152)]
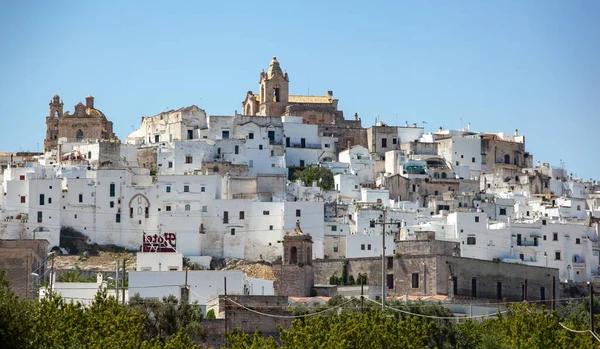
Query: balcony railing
[(305, 146)]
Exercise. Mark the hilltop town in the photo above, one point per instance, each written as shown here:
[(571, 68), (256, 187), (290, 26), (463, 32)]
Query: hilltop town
[(295, 202)]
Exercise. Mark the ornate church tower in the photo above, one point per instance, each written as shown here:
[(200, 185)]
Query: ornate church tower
[(56, 111), (274, 90)]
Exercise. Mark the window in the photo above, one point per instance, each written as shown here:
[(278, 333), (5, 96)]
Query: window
[(518, 239), (131, 212), (336, 246), (251, 135), (415, 280), (250, 163), (334, 228), (394, 140), (204, 208), (49, 201), (186, 188), (542, 293), (544, 237), (577, 241), (462, 156), (260, 147), (39, 217), (473, 160), (170, 164), (168, 188), (232, 231), (543, 222), (557, 255), (203, 189), (236, 149), (118, 218), (302, 142), (503, 211), (372, 223), (384, 142), (167, 208), (554, 236), (473, 287), (471, 240), (414, 188), (22, 199), (225, 134), (112, 190), (187, 207), (298, 213), (22, 177), (42, 200), (75, 216), (156, 138), (578, 207), (146, 212), (270, 227), (265, 213), (80, 197), (241, 214), (79, 135), (225, 217), (369, 247), (521, 256), (362, 247), (476, 219), (188, 160), (190, 134), (301, 163)]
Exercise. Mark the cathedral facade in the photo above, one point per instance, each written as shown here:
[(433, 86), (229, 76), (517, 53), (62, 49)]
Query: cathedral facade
[(274, 100), (86, 123)]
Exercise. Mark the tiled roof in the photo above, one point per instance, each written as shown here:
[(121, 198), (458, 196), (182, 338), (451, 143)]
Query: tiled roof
[(308, 99)]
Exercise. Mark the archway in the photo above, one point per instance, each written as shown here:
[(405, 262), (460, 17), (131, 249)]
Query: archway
[(293, 255)]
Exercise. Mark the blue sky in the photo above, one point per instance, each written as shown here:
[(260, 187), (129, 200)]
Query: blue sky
[(501, 65)]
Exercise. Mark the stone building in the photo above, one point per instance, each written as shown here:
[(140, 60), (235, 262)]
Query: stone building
[(274, 100), (86, 123), (295, 274), (426, 267), (21, 258)]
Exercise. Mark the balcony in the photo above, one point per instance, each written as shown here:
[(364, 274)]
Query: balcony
[(305, 146)]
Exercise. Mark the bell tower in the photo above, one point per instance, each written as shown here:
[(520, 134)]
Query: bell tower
[(56, 107), (55, 112), (274, 90), (295, 275)]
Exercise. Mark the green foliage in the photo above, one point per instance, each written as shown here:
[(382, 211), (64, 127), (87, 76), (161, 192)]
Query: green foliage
[(346, 279), (53, 322), (210, 314), (74, 275), (322, 175), (398, 255), (241, 340)]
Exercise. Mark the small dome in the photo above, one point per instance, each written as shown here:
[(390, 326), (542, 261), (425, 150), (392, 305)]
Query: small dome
[(56, 96), (274, 68)]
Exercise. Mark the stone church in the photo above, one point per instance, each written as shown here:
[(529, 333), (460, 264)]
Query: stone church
[(274, 100), (86, 123)]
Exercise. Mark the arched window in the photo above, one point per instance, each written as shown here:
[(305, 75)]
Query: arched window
[(308, 256), (436, 175), (444, 175), (293, 255), (56, 113), (80, 135), (187, 207), (507, 159)]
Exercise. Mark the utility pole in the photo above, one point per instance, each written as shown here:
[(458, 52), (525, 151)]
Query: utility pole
[(362, 295), (124, 274), (383, 223), (383, 271), (52, 273), (187, 290), (592, 309), (117, 282), (225, 305)]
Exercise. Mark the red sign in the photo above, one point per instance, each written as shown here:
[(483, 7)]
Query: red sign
[(167, 242)]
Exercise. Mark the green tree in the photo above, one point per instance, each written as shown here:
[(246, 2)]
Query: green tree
[(322, 175)]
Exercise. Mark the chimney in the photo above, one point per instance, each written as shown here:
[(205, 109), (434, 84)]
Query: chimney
[(414, 124), (516, 131), (89, 102), (441, 129), (330, 94), (355, 116), (469, 126)]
